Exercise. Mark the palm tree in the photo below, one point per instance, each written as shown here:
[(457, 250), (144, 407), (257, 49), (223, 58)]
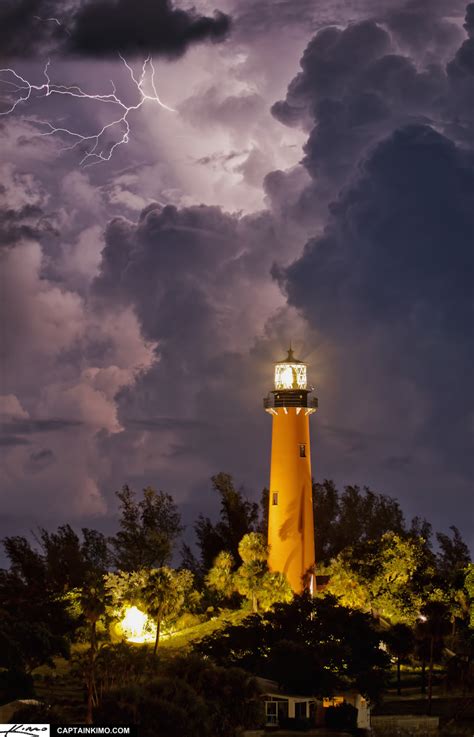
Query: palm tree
[(92, 604), (162, 595)]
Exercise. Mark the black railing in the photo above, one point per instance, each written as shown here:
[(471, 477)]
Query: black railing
[(290, 398)]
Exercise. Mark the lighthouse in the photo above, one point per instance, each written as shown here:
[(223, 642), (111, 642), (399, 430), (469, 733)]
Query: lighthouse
[(290, 512)]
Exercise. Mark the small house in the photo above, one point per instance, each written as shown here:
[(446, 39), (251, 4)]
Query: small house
[(281, 708)]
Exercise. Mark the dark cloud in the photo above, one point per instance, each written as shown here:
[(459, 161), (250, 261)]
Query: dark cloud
[(425, 28), (39, 461), (10, 441), (390, 284), (29, 427), (194, 276), (162, 358), (166, 423), (462, 66), (105, 27), (331, 63)]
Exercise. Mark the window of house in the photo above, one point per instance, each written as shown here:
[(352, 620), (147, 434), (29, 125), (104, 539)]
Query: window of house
[(271, 710), (302, 450), (300, 709), (275, 498)]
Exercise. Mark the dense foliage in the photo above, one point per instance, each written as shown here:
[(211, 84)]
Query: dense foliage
[(184, 696), (384, 582), (309, 646)]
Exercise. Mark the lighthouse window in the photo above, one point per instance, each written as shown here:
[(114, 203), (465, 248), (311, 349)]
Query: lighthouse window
[(275, 498), (302, 451)]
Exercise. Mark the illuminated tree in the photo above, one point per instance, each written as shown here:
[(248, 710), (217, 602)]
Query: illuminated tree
[(381, 582), (351, 519), (253, 579), (221, 575), (159, 592), (469, 584)]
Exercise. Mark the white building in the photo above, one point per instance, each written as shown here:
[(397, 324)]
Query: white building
[(281, 706)]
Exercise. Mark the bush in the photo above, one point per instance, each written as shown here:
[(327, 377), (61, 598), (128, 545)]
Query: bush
[(162, 707), (343, 716), (188, 620), (15, 685), (37, 714), (303, 724)]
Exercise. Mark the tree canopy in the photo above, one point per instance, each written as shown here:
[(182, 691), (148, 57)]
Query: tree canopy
[(313, 645), (237, 517), (148, 530)]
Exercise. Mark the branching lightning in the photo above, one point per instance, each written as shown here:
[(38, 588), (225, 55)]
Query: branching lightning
[(97, 147)]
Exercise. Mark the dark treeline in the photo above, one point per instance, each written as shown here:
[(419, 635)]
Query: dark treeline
[(385, 580)]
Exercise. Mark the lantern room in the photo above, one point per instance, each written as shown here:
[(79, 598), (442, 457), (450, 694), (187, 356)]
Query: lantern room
[(290, 373), (291, 386)]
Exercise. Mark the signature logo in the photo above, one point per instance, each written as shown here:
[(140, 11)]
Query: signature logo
[(26, 730)]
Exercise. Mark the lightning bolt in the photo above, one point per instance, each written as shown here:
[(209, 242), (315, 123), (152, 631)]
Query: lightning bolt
[(51, 20), (97, 148)]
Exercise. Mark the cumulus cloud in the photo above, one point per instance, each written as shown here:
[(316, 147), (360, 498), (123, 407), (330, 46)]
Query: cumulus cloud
[(63, 362), (388, 283), (154, 335), (104, 27)]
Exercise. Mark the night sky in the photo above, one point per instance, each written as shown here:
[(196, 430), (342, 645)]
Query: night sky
[(315, 183)]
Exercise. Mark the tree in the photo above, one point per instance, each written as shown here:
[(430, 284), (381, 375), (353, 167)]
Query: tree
[(401, 642), (315, 643), (238, 516), (469, 585), (351, 519), (451, 561), (381, 581), (432, 627), (159, 592), (187, 695), (253, 579), (161, 595), (221, 575), (36, 620), (148, 530), (453, 555), (92, 601), (70, 561)]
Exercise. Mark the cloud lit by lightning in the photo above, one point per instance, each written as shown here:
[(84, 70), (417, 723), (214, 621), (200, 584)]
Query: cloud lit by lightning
[(98, 149)]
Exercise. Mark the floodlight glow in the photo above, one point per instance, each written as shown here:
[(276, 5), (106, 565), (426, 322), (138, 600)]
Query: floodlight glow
[(135, 626), (290, 376)]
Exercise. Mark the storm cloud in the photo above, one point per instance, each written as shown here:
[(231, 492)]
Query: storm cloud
[(105, 27), (149, 297)]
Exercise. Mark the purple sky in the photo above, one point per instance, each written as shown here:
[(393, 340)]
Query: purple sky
[(315, 183)]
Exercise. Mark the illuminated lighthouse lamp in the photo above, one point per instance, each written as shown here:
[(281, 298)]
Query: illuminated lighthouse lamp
[(290, 374)]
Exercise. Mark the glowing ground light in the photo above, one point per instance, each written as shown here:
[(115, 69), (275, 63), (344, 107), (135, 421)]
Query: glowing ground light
[(135, 626)]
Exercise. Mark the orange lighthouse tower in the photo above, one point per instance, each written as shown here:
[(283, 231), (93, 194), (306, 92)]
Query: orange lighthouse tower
[(290, 514)]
